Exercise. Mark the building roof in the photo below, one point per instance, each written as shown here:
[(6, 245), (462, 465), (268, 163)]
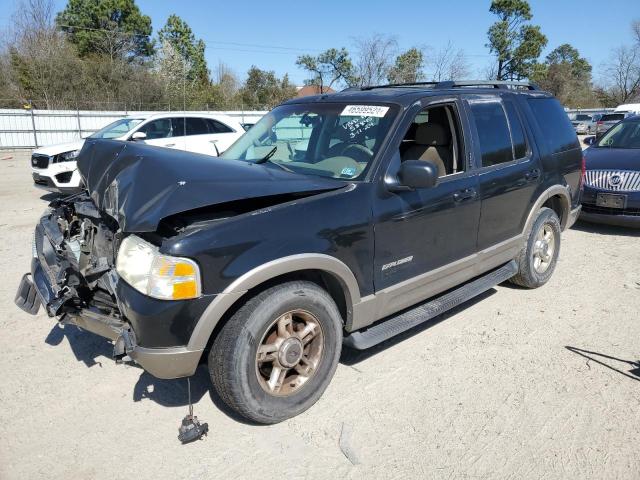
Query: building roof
[(313, 90)]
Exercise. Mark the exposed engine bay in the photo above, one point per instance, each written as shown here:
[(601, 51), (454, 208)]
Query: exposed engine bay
[(85, 245)]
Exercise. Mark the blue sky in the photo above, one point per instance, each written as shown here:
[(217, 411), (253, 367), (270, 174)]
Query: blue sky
[(272, 34)]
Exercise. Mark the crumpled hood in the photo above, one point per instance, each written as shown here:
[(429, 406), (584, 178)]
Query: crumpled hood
[(612, 158), (139, 185)]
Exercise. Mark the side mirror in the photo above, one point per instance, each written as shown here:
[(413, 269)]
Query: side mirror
[(414, 174), (138, 137), (589, 141)]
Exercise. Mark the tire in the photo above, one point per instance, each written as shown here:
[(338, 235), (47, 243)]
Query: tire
[(537, 261), (244, 380)]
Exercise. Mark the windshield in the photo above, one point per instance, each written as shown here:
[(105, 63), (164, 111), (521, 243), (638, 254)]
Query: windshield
[(336, 140), (623, 135), (117, 128)]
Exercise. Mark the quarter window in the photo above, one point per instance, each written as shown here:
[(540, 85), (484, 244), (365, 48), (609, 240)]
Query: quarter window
[(217, 127), (493, 132)]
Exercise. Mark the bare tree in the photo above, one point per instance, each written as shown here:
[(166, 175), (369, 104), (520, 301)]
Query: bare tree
[(374, 58), (449, 63), (635, 28), (623, 73)]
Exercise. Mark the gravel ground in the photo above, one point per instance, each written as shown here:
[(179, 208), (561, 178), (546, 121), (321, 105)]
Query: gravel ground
[(517, 384)]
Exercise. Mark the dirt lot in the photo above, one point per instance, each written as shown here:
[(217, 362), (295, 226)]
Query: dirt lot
[(518, 384)]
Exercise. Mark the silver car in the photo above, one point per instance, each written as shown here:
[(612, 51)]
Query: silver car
[(608, 120), (580, 122)]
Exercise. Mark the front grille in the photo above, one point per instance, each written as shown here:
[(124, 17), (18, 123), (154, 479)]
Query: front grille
[(590, 208), (39, 160), (614, 180)]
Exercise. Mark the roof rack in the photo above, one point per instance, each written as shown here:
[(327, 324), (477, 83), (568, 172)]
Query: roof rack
[(503, 84)]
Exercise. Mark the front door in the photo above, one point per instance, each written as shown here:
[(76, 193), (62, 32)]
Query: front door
[(421, 235)]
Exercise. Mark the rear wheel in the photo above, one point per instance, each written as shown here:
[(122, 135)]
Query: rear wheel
[(276, 355), (537, 259)]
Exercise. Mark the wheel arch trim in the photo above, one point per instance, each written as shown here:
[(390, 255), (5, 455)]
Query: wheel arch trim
[(263, 273), (555, 190)]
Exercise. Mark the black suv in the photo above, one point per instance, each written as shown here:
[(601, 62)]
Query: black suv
[(336, 219)]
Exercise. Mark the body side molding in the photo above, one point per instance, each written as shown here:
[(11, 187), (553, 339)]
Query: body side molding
[(305, 261)]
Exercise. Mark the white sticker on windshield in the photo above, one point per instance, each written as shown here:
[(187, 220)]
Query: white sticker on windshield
[(365, 111)]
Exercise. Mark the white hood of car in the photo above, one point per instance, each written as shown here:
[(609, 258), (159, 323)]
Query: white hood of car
[(60, 148)]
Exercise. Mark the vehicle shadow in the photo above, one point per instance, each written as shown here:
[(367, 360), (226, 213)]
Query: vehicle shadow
[(604, 229), (86, 347), (50, 197), (91, 349), (633, 374), (351, 357)]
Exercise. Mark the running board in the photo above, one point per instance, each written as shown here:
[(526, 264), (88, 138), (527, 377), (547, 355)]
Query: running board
[(424, 312)]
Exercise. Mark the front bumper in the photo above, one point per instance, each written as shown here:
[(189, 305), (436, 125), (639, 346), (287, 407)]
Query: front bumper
[(629, 216), (47, 183), (150, 332), (165, 363)]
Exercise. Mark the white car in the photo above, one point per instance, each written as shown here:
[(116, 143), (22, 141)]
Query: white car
[(54, 167)]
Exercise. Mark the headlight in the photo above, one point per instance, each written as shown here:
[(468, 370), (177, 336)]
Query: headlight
[(143, 267), (67, 156)]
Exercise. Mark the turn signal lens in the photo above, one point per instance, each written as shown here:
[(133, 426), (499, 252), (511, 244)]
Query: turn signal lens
[(160, 276)]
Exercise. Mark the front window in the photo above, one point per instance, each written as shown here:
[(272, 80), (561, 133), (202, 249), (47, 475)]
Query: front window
[(623, 135), (336, 140), (117, 128)]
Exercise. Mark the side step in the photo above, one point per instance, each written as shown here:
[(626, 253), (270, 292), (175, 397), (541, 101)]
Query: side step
[(393, 326)]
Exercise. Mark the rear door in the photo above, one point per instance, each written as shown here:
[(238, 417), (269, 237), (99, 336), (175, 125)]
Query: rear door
[(221, 134), (508, 173)]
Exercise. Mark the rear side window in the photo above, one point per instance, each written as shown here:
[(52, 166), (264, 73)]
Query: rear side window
[(217, 127), (554, 123), (197, 126), (520, 149), (493, 132)]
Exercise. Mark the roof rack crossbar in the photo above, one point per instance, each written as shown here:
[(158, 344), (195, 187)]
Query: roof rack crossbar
[(503, 84)]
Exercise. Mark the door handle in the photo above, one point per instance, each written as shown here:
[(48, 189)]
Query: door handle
[(466, 194), (532, 174)]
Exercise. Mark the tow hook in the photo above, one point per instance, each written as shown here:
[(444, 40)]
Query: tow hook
[(124, 344)]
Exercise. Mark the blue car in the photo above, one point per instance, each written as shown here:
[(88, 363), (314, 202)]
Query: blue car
[(612, 178)]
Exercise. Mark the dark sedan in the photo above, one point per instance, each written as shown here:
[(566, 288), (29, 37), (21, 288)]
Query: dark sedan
[(612, 178)]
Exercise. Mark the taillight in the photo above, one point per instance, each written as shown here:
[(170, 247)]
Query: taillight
[(583, 171), (599, 122)]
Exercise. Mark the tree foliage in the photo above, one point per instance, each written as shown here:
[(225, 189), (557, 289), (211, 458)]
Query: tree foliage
[(567, 75), (516, 44), (180, 37), (407, 67), (264, 90), (329, 68), (113, 27)]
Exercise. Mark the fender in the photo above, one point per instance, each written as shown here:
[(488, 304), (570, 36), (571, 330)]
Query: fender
[(306, 261), (560, 190)]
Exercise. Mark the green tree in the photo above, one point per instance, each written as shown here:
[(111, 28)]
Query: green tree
[(179, 35), (516, 44), (330, 67), (408, 67), (567, 75), (113, 27), (263, 90)]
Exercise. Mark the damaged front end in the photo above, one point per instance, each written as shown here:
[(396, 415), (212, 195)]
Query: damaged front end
[(73, 271)]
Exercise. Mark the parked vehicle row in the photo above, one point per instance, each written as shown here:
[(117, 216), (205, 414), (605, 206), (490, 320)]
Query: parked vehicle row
[(612, 181), (54, 167), (336, 219)]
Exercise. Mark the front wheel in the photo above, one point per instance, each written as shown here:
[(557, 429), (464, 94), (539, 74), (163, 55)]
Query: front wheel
[(276, 355), (537, 259)]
